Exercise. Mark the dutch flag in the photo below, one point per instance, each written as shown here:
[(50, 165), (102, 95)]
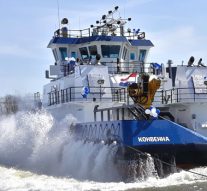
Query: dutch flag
[(130, 79)]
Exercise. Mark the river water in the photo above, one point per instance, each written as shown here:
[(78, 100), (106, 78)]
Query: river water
[(38, 153)]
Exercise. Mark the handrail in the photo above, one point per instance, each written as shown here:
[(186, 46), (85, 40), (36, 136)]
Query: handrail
[(77, 33), (121, 112), (98, 93), (178, 95), (113, 67), (120, 94), (72, 33)]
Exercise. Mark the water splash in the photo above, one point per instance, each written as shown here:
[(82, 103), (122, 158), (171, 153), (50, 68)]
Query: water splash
[(35, 141)]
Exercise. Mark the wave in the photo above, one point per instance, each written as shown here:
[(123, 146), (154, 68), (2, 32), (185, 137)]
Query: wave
[(37, 142)]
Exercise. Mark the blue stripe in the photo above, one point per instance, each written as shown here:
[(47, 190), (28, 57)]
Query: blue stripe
[(141, 43), (62, 40)]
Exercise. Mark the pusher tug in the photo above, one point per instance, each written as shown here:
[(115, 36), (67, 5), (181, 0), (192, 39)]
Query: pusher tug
[(101, 77)]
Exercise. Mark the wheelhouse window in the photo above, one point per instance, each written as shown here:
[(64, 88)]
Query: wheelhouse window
[(73, 54), (63, 52), (84, 52), (110, 51), (55, 54), (142, 54), (93, 51), (132, 56)]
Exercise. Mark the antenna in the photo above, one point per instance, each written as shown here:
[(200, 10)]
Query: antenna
[(58, 13), (111, 25)]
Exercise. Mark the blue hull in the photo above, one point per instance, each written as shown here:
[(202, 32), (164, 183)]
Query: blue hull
[(160, 138)]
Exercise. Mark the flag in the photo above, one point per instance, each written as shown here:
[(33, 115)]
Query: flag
[(132, 75), (130, 79)]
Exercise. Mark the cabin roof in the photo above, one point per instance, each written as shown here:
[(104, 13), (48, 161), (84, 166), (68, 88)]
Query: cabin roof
[(64, 40), (141, 42)]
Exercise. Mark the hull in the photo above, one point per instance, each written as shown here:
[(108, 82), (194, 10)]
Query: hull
[(167, 142)]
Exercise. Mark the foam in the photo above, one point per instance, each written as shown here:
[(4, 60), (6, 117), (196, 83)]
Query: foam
[(13, 179)]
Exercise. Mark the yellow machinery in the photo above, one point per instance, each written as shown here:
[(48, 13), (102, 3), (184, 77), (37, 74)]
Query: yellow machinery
[(143, 92)]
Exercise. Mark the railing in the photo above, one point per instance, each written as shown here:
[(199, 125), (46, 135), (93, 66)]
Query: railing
[(113, 67), (123, 112), (116, 94), (64, 32), (178, 95), (100, 93), (67, 69), (128, 67), (124, 67)]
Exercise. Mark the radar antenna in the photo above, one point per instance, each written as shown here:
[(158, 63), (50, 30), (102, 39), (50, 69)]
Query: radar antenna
[(109, 24)]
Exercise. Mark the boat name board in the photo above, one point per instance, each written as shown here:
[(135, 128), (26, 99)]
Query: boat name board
[(153, 139)]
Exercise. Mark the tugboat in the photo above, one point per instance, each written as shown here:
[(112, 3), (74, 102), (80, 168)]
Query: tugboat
[(101, 77)]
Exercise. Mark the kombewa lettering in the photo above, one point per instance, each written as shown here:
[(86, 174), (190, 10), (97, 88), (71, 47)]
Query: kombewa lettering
[(153, 139)]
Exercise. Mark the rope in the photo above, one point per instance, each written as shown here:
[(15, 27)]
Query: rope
[(155, 158)]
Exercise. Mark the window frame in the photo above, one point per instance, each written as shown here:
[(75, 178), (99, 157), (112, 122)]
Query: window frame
[(134, 55), (62, 53), (141, 55), (93, 55), (107, 53), (55, 54), (73, 54), (80, 49)]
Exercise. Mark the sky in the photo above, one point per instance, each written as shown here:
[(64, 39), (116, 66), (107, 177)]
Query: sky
[(177, 29)]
